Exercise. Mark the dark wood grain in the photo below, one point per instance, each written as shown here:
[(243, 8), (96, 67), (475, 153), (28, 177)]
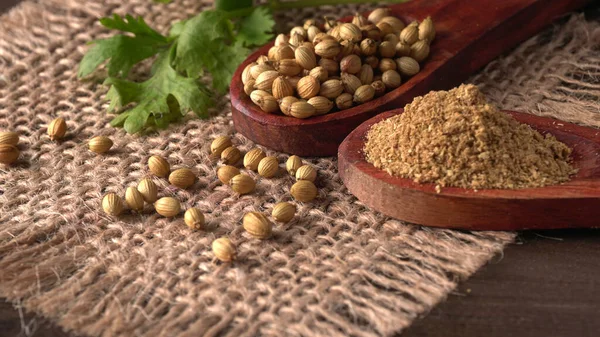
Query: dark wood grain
[(547, 285), (469, 35), (572, 204)]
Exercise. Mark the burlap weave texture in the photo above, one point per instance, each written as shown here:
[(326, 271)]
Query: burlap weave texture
[(338, 269)]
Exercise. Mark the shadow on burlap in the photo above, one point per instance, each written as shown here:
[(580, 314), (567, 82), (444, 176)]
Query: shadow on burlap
[(338, 269)]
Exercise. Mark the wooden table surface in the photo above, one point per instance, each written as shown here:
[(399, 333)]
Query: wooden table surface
[(546, 284)]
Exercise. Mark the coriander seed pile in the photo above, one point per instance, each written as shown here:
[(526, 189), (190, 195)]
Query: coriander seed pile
[(318, 69), (456, 138)]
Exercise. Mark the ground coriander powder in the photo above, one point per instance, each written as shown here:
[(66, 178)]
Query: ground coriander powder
[(456, 138)]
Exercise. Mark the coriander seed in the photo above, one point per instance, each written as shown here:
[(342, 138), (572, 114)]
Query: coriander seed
[(308, 87), (363, 94), (159, 166), (304, 191), (112, 204), (305, 57), (282, 88), (350, 64), (242, 184), (306, 172), (365, 75), (219, 144), (57, 129), (286, 103), (321, 104), (9, 138), (288, 67), (148, 189), (331, 89), (134, 199), (379, 88), (183, 177), (100, 144), (194, 219), (225, 173), (167, 207), (407, 66), (391, 79), (231, 155), (319, 73), (252, 158), (268, 167), (344, 101), (257, 225), (302, 109), (293, 164), (350, 83), (8, 154), (419, 50), (283, 212), (224, 250), (402, 49), (377, 14)]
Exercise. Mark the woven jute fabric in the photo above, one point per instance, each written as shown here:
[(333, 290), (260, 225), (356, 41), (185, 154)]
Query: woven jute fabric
[(337, 269)]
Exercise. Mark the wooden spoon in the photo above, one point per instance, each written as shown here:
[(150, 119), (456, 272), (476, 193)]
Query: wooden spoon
[(469, 34), (575, 203)]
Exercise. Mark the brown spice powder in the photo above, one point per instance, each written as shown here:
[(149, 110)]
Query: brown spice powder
[(455, 138)]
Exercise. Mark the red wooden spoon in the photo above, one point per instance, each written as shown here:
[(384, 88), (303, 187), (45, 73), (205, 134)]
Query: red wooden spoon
[(575, 203), (469, 34)]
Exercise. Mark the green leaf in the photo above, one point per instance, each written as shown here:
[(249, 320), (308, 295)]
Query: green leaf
[(256, 28), (122, 51), (207, 42), (229, 5), (164, 1), (156, 97)]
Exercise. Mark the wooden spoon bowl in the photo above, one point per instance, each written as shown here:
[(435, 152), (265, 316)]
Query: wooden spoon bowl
[(469, 34), (575, 203)]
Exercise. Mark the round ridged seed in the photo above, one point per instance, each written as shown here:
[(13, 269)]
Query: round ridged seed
[(182, 178), (304, 191), (167, 207), (223, 249), (283, 212), (225, 173), (148, 189), (242, 184), (57, 129), (306, 172), (231, 155), (252, 158), (8, 154), (219, 144), (9, 138), (194, 219), (134, 199), (257, 225), (112, 204), (293, 164), (159, 166), (100, 144), (268, 167)]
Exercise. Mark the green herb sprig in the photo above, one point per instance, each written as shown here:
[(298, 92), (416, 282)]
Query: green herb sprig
[(213, 42)]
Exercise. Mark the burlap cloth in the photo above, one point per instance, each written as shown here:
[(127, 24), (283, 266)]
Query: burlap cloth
[(338, 269)]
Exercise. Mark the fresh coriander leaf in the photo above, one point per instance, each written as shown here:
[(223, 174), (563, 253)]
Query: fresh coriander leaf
[(229, 5), (164, 1), (255, 29), (155, 96), (122, 51), (132, 25), (207, 42), (176, 28)]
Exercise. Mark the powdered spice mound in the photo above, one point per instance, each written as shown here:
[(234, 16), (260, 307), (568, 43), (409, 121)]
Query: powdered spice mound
[(455, 138)]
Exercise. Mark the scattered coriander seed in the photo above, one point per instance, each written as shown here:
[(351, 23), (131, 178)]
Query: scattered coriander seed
[(268, 167), (112, 204), (306, 172), (225, 173), (194, 219), (231, 155), (57, 129), (134, 199), (8, 154), (159, 166), (283, 212), (257, 225), (242, 184), (167, 207), (219, 144), (148, 189), (304, 191), (9, 138), (100, 144), (252, 158), (224, 250), (293, 164), (182, 178)]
